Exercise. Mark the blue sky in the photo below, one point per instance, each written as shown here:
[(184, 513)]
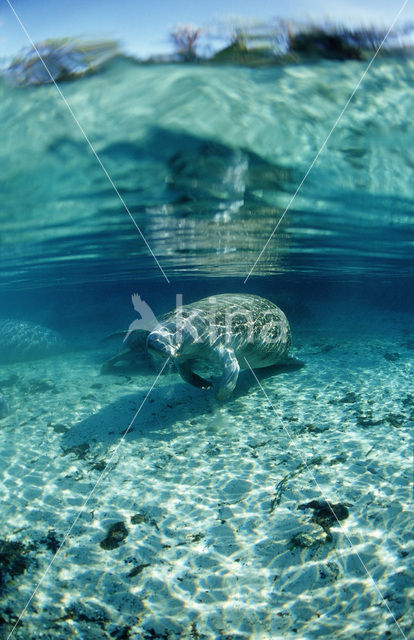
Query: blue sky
[(142, 26)]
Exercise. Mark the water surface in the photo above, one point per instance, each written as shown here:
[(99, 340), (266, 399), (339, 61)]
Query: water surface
[(174, 516)]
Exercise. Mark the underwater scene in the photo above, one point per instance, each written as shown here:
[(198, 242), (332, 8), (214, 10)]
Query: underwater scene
[(194, 489)]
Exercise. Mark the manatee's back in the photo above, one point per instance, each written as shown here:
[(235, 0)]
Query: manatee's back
[(253, 326)]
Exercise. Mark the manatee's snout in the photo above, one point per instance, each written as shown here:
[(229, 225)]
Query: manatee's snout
[(160, 345)]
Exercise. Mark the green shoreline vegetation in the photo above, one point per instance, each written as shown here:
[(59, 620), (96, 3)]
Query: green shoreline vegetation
[(256, 44)]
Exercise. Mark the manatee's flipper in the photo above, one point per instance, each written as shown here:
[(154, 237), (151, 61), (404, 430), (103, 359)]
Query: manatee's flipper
[(122, 356), (184, 369), (230, 375)]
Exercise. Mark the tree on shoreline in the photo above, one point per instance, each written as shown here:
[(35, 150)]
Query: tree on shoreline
[(255, 42), (185, 39)]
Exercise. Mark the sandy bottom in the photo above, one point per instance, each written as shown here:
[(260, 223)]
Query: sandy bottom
[(194, 530)]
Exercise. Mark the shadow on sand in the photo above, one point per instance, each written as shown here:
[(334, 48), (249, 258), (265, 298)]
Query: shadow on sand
[(170, 402)]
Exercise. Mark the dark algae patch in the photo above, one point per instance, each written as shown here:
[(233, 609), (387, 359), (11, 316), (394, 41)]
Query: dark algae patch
[(137, 570), (395, 419), (80, 451), (117, 533), (367, 418), (51, 541), (59, 428), (13, 560), (326, 514), (300, 541), (100, 465), (392, 356)]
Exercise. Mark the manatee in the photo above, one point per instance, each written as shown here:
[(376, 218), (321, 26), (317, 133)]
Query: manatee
[(219, 334), (22, 340)]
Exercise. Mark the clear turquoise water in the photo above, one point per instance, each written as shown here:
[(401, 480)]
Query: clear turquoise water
[(206, 160)]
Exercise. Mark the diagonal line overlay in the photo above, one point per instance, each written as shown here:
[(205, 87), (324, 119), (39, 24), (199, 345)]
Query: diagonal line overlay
[(326, 139), (302, 457), (81, 129), (85, 502)]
